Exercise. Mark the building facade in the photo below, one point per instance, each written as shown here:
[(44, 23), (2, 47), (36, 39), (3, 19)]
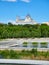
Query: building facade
[(27, 20)]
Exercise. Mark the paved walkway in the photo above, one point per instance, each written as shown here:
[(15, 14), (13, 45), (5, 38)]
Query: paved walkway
[(16, 61), (13, 43)]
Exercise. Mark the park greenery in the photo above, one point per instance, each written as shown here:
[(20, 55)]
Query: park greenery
[(23, 31), (35, 44), (44, 44), (24, 54), (25, 44)]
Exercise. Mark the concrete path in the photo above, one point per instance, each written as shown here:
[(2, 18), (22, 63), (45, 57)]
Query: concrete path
[(10, 43), (16, 61)]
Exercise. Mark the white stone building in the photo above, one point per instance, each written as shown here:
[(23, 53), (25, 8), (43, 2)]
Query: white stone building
[(27, 20)]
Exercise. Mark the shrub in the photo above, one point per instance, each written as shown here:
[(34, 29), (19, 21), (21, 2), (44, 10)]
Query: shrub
[(34, 51), (25, 44), (44, 44), (35, 44)]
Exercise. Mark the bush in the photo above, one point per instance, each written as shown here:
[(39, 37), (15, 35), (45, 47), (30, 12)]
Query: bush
[(35, 44), (25, 44), (44, 44), (34, 51)]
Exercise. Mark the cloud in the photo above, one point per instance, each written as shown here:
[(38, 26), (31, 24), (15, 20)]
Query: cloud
[(27, 1), (9, 0)]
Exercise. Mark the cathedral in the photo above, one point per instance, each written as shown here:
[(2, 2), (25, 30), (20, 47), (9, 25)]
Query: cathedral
[(27, 20)]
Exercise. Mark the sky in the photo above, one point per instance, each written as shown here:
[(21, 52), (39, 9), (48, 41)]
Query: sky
[(38, 10)]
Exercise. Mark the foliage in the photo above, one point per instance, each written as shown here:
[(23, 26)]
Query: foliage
[(23, 31), (25, 44), (24, 54), (34, 51), (43, 44), (35, 44)]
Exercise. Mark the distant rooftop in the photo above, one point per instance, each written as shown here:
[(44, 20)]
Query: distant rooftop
[(27, 20)]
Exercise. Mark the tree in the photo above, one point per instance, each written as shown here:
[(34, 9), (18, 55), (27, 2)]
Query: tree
[(44, 30), (34, 51)]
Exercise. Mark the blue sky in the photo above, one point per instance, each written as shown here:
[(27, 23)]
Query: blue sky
[(38, 10)]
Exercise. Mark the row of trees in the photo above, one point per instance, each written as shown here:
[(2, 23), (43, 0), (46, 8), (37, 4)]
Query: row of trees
[(24, 54), (23, 31)]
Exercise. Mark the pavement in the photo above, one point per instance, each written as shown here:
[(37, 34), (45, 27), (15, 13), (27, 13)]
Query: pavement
[(21, 61), (16, 43)]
